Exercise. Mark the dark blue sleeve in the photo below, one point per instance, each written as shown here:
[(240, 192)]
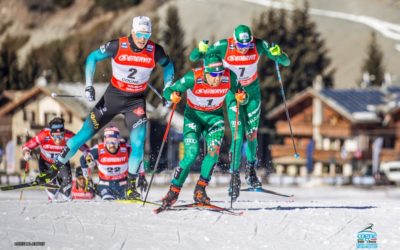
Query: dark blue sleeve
[(94, 152)]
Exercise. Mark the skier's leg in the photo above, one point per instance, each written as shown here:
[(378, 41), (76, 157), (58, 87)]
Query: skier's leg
[(252, 111), (136, 120), (108, 106), (65, 177), (213, 136), (191, 132), (231, 110)]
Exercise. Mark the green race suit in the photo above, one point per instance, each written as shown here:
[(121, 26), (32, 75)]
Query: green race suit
[(245, 67), (203, 116)]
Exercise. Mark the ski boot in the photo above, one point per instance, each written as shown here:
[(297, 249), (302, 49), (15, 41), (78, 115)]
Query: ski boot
[(131, 193), (251, 175), (171, 197), (200, 195), (234, 185)]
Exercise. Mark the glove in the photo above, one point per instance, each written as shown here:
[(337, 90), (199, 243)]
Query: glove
[(27, 155), (90, 93), (240, 97), (142, 182), (90, 161), (203, 46), (175, 97), (275, 50)]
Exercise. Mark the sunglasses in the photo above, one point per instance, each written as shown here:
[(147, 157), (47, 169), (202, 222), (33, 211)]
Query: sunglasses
[(111, 142), (216, 74), (243, 45), (143, 35), (59, 137)]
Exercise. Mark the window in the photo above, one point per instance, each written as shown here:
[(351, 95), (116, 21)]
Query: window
[(48, 117)]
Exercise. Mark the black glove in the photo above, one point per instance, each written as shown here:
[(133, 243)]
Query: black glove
[(142, 183), (90, 93)]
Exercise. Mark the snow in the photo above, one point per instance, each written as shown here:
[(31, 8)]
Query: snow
[(316, 218)]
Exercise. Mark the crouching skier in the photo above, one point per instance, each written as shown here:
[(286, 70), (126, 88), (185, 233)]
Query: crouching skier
[(52, 141), (82, 188), (111, 158), (206, 89)]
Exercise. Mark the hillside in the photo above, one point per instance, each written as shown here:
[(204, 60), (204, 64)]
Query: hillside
[(346, 25)]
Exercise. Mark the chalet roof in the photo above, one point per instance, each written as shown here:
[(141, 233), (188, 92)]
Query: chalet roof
[(357, 105)]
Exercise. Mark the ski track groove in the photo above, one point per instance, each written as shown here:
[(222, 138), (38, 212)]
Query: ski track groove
[(23, 210), (179, 237), (255, 229), (218, 218), (342, 228), (115, 227), (123, 244)]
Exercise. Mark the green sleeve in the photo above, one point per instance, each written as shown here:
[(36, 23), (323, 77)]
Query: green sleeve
[(196, 55), (234, 82), (220, 47), (181, 85), (262, 48)]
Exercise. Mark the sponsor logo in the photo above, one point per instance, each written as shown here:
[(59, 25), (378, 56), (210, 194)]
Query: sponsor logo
[(199, 80), (123, 150), (140, 122), (192, 126), (96, 124), (211, 91), (241, 58), (102, 151), (103, 48), (113, 159), (130, 58), (190, 141), (139, 111), (149, 48), (52, 147), (212, 65), (244, 36), (124, 45), (47, 138), (367, 238)]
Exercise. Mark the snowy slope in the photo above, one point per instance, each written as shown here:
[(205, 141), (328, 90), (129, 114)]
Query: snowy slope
[(318, 218)]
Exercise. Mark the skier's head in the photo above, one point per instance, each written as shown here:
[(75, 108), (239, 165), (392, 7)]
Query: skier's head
[(213, 68), (80, 179), (141, 31), (57, 130), (112, 139), (243, 37)]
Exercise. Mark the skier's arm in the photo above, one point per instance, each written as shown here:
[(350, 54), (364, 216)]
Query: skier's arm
[(33, 142), (105, 51), (164, 61), (264, 48), (186, 82)]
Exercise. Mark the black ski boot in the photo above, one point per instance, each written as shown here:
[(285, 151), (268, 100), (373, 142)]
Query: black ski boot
[(171, 197), (251, 175), (131, 192), (234, 185), (200, 195)]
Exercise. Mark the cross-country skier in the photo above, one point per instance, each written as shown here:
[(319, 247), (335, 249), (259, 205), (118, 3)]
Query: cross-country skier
[(81, 187), (132, 59), (241, 54), (111, 158), (206, 89), (51, 142)]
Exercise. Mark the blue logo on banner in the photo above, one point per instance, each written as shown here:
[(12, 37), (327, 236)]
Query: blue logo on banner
[(366, 238)]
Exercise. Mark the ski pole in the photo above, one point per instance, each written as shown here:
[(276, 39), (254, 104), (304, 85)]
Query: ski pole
[(55, 95), (155, 91), (160, 152), (234, 148), (296, 155), (26, 170)]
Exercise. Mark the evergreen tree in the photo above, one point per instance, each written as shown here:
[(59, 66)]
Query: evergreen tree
[(307, 53), (373, 63), (173, 38), (8, 65)]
